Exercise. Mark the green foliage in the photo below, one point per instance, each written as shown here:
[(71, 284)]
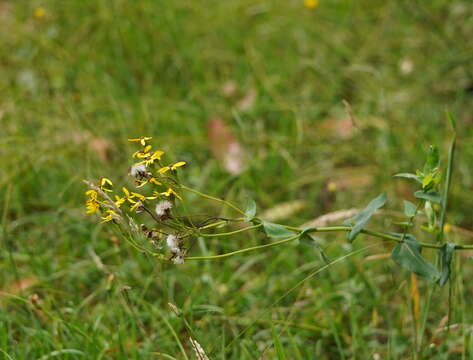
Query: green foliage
[(446, 257), (407, 254), (359, 221), (250, 211), (276, 231), (410, 209)]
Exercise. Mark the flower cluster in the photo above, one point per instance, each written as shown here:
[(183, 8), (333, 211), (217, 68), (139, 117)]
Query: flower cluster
[(159, 190)]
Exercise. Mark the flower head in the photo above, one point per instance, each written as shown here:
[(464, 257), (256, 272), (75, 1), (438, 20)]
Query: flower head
[(172, 242), (163, 207), (91, 204), (138, 170)]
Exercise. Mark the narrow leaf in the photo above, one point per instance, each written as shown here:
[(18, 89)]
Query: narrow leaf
[(409, 176), (446, 257), (407, 254), (276, 231), (250, 211), (429, 195), (359, 221), (410, 209)]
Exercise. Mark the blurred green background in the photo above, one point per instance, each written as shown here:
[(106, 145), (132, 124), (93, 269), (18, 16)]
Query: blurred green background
[(324, 105)]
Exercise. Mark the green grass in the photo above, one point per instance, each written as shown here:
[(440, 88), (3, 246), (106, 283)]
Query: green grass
[(98, 72)]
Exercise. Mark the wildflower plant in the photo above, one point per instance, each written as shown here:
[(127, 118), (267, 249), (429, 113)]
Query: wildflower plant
[(148, 216)]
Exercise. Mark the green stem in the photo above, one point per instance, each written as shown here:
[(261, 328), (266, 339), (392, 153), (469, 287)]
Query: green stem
[(232, 232), (322, 229), (276, 243)]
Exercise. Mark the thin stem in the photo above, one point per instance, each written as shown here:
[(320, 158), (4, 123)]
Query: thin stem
[(232, 232), (276, 243), (323, 229), (229, 204)]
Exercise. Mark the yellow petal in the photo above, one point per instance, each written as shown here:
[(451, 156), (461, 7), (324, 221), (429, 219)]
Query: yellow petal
[(178, 164), (164, 169)]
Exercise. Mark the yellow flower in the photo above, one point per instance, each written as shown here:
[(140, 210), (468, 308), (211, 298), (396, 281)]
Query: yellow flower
[(92, 194), (170, 192), (111, 215), (155, 156), (92, 206), (136, 205), (151, 180), (103, 184), (128, 197), (311, 4), (119, 200), (39, 13), (171, 167), (154, 181), (144, 153), (142, 140), (142, 197)]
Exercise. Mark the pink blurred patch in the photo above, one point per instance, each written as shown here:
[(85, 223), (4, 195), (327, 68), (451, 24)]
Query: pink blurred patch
[(224, 146)]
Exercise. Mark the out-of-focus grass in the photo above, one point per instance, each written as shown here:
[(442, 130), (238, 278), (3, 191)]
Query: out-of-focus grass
[(76, 82)]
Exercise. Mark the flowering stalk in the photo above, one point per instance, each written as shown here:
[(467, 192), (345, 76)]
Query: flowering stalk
[(167, 236)]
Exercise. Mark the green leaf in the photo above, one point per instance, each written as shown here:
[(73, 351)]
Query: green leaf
[(407, 254), (410, 176), (307, 239), (433, 196), (433, 160), (359, 221), (446, 257), (410, 209), (250, 211), (276, 231)]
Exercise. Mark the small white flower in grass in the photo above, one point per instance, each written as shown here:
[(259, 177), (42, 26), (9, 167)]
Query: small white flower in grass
[(138, 170), (163, 207), (173, 243)]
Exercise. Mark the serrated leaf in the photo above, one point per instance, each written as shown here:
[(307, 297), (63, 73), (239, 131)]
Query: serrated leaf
[(407, 254), (446, 257), (433, 160), (250, 211), (276, 231), (410, 176), (410, 209), (433, 196), (359, 221)]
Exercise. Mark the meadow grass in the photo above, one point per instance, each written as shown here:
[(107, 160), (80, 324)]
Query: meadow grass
[(81, 77)]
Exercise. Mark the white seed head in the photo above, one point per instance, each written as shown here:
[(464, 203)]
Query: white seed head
[(173, 243), (138, 170), (179, 259), (163, 207)]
